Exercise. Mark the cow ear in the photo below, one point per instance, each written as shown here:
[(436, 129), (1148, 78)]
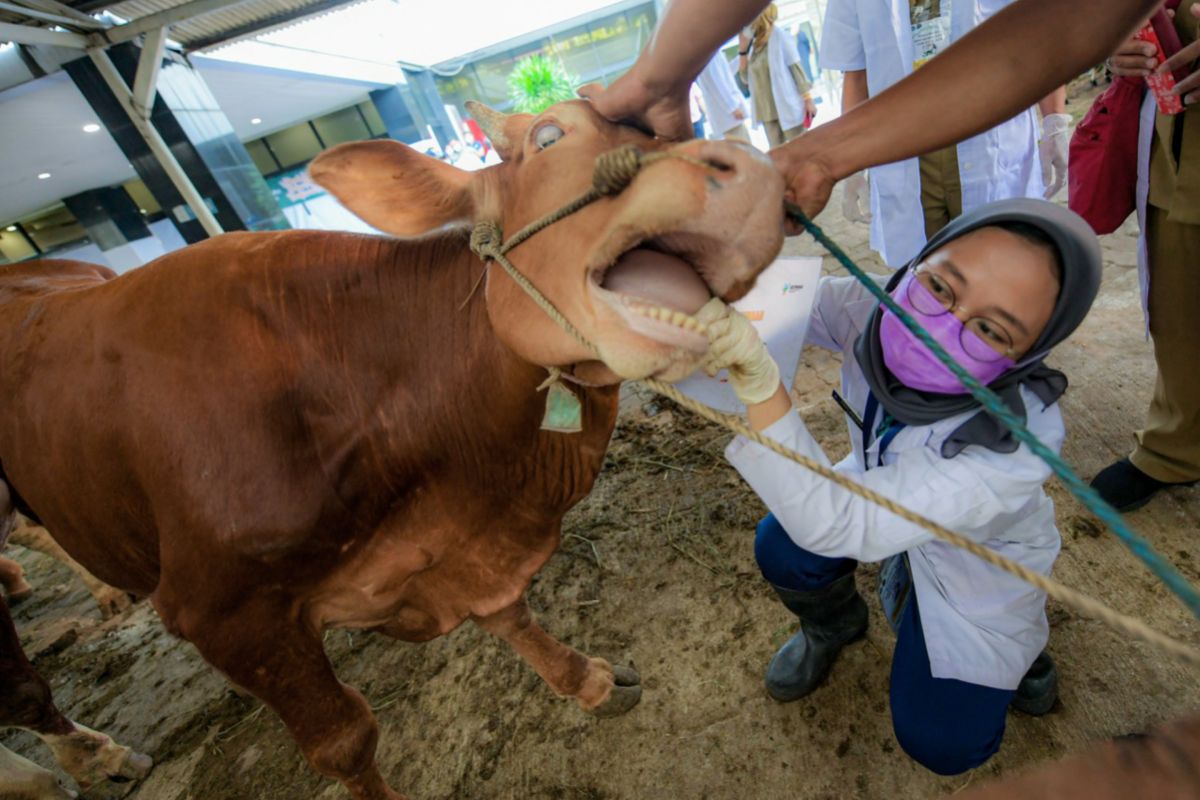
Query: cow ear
[(392, 187), (505, 131)]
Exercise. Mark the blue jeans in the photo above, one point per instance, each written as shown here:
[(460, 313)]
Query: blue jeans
[(947, 725)]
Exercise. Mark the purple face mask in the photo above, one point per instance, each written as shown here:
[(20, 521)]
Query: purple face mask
[(912, 362)]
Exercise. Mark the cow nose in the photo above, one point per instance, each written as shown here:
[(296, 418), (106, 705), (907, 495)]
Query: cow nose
[(733, 160)]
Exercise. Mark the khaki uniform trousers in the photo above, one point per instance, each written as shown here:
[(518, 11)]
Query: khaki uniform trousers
[(776, 135), (941, 189), (1169, 446)]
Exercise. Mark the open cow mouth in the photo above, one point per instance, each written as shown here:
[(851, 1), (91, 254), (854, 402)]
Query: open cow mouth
[(657, 288)]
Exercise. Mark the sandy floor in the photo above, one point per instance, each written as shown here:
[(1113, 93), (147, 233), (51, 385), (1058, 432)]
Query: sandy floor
[(656, 569)]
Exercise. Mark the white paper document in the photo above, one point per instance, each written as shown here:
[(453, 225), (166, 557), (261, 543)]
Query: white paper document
[(780, 306)]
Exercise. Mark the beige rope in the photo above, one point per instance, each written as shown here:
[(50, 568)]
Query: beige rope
[(486, 243)]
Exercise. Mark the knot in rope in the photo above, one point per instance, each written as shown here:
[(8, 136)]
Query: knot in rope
[(616, 169), (486, 239)]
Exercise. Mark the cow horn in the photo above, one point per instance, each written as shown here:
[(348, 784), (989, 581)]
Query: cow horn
[(493, 123)]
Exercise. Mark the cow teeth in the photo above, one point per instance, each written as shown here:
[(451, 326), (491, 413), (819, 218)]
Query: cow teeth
[(672, 317)]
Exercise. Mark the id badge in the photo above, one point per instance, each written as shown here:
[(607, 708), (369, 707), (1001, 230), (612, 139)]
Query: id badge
[(930, 29), (895, 588)]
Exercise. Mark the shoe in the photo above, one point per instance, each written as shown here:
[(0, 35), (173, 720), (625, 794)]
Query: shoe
[(1126, 488), (1038, 690), (830, 618)]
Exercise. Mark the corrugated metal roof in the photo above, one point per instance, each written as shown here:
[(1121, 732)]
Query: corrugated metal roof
[(234, 21)]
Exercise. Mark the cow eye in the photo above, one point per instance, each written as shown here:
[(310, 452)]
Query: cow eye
[(547, 135)]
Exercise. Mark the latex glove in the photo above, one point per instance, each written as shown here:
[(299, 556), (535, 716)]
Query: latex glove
[(1053, 150), (734, 345), (856, 198)]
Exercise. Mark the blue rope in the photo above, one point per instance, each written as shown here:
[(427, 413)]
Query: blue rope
[(992, 403)]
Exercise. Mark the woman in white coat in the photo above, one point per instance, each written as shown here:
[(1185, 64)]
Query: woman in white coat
[(998, 288), (780, 94), (722, 99)]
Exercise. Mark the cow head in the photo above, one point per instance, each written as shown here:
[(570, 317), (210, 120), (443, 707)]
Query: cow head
[(620, 268)]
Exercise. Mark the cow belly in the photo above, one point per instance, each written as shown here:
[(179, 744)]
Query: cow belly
[(419, 587)]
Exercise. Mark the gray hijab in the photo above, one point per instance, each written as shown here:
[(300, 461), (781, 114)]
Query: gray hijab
[(1079, 251)]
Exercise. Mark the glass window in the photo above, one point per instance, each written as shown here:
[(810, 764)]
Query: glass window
[(374, 121), (55, 228), (14, 246), (342, 126), (294, 145), (262, 157), (141, 195)]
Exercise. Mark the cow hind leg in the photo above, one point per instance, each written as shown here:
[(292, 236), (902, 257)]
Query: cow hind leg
[(596, 685), (266, 650), (110, 599), (21, 779), (12, 577)]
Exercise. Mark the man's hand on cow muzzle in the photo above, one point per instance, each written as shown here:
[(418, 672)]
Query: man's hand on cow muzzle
[(630, 101), (735, 346), (808, 181)]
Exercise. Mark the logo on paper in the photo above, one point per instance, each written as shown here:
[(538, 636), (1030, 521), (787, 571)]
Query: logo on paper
[(754, 316), (792, 288)]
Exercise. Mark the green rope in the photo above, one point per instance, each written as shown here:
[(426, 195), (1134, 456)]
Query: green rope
[(992, 403)]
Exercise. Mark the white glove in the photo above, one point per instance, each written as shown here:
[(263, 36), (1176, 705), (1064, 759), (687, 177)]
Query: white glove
[(856, 198), (734, 345), (1053, 150)]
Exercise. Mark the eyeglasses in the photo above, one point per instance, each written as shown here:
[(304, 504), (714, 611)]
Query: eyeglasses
[(981, 338)]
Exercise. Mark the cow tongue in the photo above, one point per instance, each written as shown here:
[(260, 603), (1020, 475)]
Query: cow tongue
[(658, 278)]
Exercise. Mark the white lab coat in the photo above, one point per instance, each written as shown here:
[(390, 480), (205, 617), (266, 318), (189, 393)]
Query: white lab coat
[(876, 35), (781, 54), (1149, 112), (722, 98), (981, 625)]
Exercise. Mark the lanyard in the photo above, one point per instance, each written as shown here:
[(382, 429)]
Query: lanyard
[(885, 432)]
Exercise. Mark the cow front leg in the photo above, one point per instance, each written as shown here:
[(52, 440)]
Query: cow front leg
[(263, 648), (23, 779), (25, 702), (595, 684)]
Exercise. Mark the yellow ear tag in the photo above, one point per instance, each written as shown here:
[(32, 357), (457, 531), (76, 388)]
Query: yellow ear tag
[(564, 412)]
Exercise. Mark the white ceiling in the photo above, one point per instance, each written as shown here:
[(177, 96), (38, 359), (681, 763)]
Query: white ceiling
[(42, 128), (42, 131)]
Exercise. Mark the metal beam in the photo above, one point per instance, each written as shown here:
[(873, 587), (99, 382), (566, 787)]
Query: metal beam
[(27, 34), (41, 16), (135, 28), (161, 151), (262, 25), (55, 7), (147, 71)]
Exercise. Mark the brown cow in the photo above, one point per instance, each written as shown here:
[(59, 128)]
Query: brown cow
[(274, 434)]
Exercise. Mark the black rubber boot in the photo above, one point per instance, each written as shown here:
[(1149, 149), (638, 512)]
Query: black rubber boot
[(1039, 688), (1126, 488), (830, 618)]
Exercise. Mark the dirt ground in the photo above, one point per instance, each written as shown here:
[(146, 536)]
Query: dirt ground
[(656, 570)]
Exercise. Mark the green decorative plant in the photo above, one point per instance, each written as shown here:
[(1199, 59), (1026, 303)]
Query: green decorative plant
[(538, 82)]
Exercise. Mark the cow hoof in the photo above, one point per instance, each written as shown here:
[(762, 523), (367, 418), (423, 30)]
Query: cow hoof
[(112, 601), (626, 693), (136, 767)]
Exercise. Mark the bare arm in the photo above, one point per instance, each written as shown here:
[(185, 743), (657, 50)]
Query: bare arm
[(1054, 103), (854, 89), (653, 94), (991, 74)]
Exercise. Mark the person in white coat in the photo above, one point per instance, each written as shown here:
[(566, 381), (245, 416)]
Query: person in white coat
[(780, 94), (722, 99), (998, 288), (876, 43)]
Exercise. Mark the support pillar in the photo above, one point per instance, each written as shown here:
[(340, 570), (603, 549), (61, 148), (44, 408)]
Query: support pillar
[(186, 153)]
